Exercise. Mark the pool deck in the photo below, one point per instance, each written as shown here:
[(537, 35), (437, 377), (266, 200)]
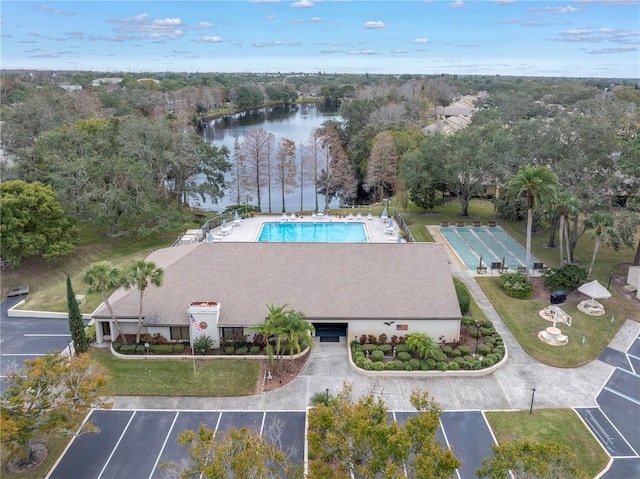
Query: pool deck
[(249, 229)]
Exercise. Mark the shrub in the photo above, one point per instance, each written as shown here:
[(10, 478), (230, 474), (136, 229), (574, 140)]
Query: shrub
[(368, 347), (431, 363), (468, 358), (357, 355), (368, 366), (404, 356), (161, 348), (488, 331), (116, 345), (456, 353), (484, 349), (446, 350), (202, 344), (442, 366), (399, 365), (567, 278), (439, 356), (90, 333), (460, 361), (155, 339), (408, 366), (242, 351), (254, 350), (464, 300), (360, 362), (464, 350), (516, 285), (487, 362), (382, 339), (402, 348), (385, 348), (424, 366), (363, 339), (229, 350), (486, 323), (377, 355), (415, 363), (178, 348), (390, 366), (453, 366), (378, 366)]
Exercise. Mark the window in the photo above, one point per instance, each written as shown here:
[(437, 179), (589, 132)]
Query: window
[(231, 332), (179, 333)]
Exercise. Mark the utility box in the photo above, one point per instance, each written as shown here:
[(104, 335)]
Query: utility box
[(558, 297)]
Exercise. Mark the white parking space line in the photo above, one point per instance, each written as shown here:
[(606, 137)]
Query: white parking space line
[(37, 335), (24, 354), (155, 465), (264, 416), (113, 451), (446, 440)]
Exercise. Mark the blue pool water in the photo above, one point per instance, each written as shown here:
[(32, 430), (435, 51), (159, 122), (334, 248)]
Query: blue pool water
[(321, 232), (493, 243)]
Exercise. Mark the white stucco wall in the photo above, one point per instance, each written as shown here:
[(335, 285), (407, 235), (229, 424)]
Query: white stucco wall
[(435, 328)]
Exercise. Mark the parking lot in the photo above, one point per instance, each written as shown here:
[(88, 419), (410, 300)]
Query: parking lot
[(615, 422), (117, 451)]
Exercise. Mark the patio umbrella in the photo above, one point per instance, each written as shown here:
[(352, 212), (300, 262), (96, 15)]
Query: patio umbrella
[(480, 265), (384, 212), (390, 223), (236, 216), (399, 239), (595, 290), (210, 237)]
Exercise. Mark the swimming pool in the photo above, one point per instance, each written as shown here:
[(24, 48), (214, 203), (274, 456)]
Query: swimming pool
[(317, 232), (493, 243)]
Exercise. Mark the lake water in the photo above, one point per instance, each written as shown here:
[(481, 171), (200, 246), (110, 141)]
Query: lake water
[(295, 123), (317, 232)]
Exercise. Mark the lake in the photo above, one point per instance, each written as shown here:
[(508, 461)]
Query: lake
[(294, 123)]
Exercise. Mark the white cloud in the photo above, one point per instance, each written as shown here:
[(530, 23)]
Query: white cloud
[(270, 17), (315, 20), (48, 9), (302, 4), (267, 44), (609, 51), (211, 39), (457, 4), (420, 40), (399, 52), (503, 2), (205, 25), (363, 52), (561, 10), (379, 25)]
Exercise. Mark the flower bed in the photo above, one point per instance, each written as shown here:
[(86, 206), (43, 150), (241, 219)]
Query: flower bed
[(471, 353)]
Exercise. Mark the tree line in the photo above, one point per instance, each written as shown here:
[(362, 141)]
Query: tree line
[(131, 160)]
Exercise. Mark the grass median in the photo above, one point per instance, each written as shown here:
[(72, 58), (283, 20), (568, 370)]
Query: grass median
[(159, 377), (545, 425)]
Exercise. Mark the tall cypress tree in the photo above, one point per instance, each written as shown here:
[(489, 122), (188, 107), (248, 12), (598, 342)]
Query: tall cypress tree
[(76, 324)]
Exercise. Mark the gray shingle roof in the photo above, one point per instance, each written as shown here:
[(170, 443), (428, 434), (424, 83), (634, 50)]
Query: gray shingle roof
[(323, 280)]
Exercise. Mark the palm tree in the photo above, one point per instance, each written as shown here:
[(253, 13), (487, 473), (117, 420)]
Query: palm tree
[(567, 204), (295, 330), (102, 277), (540, 185), (601, 224), (422, 344), (138, 275)]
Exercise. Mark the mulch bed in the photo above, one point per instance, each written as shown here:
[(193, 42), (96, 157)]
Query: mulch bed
[(39, 453)]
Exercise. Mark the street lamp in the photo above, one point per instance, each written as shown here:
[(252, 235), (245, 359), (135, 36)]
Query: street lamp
[(327, 393), (532, 396), (477, 335)]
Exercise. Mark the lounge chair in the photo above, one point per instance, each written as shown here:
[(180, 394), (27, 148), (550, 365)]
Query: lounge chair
[(359, 216), (350, 216), (284, 217), (293, 216), (369, 216)]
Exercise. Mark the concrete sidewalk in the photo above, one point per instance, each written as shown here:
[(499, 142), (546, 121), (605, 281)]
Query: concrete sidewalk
[(508, 388)]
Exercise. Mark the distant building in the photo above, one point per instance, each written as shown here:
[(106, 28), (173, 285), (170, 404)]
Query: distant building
[(106, 81), (70, 88)]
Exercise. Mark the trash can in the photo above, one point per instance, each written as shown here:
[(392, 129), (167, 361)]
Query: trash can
[(558, 297)]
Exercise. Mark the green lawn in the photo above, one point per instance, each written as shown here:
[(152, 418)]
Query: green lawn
[(544, 425), (213, 377)]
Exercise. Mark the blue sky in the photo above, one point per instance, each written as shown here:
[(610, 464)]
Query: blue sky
[(579, 38)]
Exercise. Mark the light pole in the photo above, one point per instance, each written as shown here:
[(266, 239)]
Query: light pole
[(532, 396), (477, 335), (327, 395)]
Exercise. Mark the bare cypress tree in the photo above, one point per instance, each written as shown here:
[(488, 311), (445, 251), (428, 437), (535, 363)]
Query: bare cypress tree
[(76, 324), (286, 169)]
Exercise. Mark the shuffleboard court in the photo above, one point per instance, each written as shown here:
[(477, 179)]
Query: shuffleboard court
[(492, 243)]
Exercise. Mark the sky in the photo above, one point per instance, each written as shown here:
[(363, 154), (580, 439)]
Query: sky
[(567, 38)]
